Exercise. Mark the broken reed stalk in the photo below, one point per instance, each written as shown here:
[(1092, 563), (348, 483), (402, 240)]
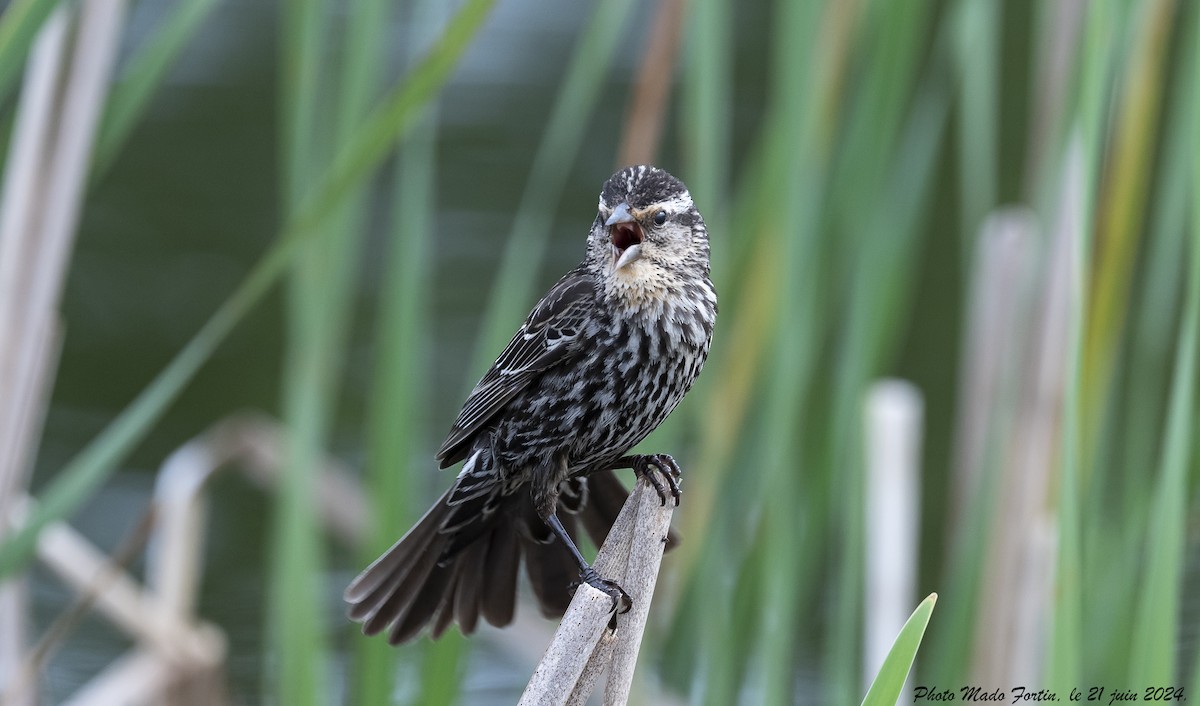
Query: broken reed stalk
[(66, 81), (583, 646)]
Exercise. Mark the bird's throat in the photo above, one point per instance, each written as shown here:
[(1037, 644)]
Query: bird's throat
[(637, 284)]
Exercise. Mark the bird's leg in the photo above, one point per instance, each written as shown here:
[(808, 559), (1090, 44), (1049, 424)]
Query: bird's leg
[(660, 470), (621, 600)]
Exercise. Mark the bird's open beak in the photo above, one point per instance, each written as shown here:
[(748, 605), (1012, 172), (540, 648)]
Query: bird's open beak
[(625, 236)]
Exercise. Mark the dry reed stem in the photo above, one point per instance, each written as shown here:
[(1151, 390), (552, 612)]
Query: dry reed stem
[(44, 181), (997, 338), (1018, 582), (651, 524), (579, 651), (22, 174)]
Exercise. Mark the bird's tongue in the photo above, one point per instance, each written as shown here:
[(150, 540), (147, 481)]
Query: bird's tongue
[(625, 235)]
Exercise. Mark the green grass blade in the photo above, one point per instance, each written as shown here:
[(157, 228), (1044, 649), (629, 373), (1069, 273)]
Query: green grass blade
[(1065, 667), (1120, 213), (145, 73), (1194, 687), (399, 387), (316, 300), (18, 26), (707, 117), (897, 34), (302, 48), (883, 288), (801, 192), (889, 682), (395, 117), (79, 479), (977, 60), (442, 670), (705, 128), (1153, 324), (1156, 630), (514, 290), (400, 391), (876, 156), (296, 629)]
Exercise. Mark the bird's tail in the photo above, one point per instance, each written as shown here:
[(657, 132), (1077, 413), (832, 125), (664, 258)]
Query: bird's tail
[(460, 561)]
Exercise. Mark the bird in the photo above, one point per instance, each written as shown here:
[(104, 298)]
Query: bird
[(606, 354)]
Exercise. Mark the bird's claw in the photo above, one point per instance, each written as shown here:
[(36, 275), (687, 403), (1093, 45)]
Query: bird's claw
[(621, 600), (657, 468)]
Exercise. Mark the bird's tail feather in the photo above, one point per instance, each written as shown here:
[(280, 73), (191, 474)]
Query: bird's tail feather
[(433, 577)]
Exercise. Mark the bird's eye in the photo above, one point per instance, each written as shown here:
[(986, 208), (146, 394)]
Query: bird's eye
[(660, 218)]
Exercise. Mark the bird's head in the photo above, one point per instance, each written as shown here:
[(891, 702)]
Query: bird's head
[(647, 235)]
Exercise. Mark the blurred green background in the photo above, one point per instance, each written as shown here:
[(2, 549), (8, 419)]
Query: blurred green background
[(859, 163)]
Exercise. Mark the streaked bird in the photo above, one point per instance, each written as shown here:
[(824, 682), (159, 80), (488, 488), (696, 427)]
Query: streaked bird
[(599, 363)]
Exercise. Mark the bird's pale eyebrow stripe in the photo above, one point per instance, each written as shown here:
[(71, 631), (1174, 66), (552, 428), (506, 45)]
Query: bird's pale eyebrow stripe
[(678, 203)]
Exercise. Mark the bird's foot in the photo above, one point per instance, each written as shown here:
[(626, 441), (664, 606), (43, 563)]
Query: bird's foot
[(621, 600), (662, 472)]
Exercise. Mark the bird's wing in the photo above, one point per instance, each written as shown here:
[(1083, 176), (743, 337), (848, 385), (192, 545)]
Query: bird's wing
[(549, 334)]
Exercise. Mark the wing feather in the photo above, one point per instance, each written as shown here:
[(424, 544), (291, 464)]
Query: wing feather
[(549, 335)]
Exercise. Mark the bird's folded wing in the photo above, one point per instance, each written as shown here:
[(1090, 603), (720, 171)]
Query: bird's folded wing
[(549, 335)]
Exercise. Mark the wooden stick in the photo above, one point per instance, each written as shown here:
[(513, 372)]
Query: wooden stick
[(650, 529), (583, 644)]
